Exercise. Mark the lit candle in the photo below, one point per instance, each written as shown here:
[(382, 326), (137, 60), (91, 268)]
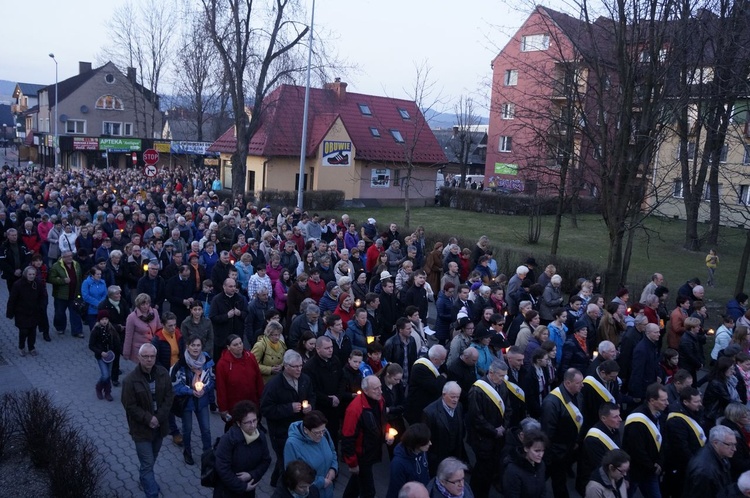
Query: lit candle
[(359, 392), (199, 386), (392, 433), (357, 303), (710, 332), (628, 311), (596, 353), (305, 404), (145, 267), (370, 339)]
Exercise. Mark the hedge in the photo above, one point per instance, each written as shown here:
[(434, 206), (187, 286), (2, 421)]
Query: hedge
[(313, 199), (494, 203)]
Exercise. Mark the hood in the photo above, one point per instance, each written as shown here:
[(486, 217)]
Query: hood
[(296, 432), (519, 458), (402, 452)]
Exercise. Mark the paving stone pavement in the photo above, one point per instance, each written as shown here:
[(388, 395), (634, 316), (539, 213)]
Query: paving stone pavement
[(66, 368)]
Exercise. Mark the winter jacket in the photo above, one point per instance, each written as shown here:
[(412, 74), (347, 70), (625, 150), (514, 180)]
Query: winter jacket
[(57, 276), (184, 379), (735, 310), (93, 292), (691, 352), (523, 479), (600, 486), (358, 335), (559, 426), (234, 455), (321, 456), (363, 432), (707, 474), (406, 467), (638, 442), (27, 303), (276, 404), (139, 402), (138, 332), (255, 321), (447, 433), (645, 368), (551, 300), (224, 325), (237, 379), (203, 329), (268, 356), (573, 356), (483, 417), (104, 339)]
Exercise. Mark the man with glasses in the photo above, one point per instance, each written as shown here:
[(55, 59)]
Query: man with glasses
[(286, 399), (708, 471), (147, 397)]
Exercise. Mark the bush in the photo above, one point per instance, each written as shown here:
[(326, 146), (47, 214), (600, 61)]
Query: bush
[(313, 199), (494, 203), (7, 421), (76, 471), (39, 422)]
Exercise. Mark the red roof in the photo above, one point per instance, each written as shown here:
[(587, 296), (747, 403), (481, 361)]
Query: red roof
[(280, 133)]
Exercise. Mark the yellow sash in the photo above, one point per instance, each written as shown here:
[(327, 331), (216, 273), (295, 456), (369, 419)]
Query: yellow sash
[(697, 429), (492, 394), (428, 364), (639, 417), (516, 390), (573, 410), (601, 436), (599, 388)]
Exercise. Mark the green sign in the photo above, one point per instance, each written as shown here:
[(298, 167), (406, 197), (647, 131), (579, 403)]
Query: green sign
[(120, 144), (506, 169)]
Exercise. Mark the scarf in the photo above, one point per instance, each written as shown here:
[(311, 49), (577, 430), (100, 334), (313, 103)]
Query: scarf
[(116, 304), (732, 388), (444, 492), (581, 342), (249, 438), (195, 364)]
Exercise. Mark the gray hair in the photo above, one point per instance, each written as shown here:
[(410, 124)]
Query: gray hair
[(144, 347), (735, 412), (483, 289), (524, 304), (451, 386), (652, 299), (556, 279), (290, 356), (410, 489), (312, 309), (112, 289), (606, 346), (305, 302), (719, 432), (449, 467), (366, 381), (114, 253), (498, 365), (641, 319), (436, 351), (452, 246), (744, 482), (530, 424)]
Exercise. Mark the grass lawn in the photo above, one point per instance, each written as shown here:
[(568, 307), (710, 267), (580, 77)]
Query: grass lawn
[(658, 247)]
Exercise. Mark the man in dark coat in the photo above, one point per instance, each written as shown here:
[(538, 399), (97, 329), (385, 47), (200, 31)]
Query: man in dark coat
[(487, 421), (425, 383), (401, 348), (642, 440), (153, 285), (26, 304), (287, 397), (683, 437), (14, 257), (600, 439), (599, 388), (445, 419), (324, 370), (309, 320), (708, 471), (561, 421), (255, 321), (227, 314), (179, 292), (389, 310), (691, 348), (463, 370), (645, 370)]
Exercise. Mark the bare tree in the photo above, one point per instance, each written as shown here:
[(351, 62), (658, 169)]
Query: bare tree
[(464, 140), (256, 43)]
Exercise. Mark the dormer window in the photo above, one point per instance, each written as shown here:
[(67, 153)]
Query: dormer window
[(109, 102), (404, 113), (375, 132), (397, 136), (365, 109)]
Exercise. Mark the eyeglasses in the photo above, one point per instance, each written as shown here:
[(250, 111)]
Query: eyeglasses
[(293, 366), (317, 433), (148, 356), (457, 482), (622, 472), (730, 445)]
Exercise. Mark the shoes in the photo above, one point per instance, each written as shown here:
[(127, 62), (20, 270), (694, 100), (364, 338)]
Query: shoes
[(22, 352), (47, 337), (177, 439), (189, 458), (60, 332), (99, 391), (214, 407), (78, 336), (116, 383), (33, 352)]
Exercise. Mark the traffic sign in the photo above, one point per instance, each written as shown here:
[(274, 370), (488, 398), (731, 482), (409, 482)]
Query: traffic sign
[(150, 157), (149, 170)]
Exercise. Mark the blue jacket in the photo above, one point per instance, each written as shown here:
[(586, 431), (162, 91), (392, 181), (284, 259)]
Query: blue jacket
[(444, 315), (327, 303), (208, 261), (735, 309), (320, 456), (359, 336), (406, 467), (183, 380), (558, 337), (93, 292)]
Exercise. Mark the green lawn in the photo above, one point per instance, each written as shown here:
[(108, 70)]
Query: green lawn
[(658, 247)]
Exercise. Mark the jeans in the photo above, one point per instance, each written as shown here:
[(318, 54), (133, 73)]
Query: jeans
[(60, 320), (204, 424), (105, 370), (649, 487), (147, 452)]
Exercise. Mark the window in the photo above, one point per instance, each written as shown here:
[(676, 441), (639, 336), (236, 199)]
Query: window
[(397, 136), (746, 159), (534, 43), (404, 113), (724, 153), (374, 132), (110, 128), (505, 144), (744, 195), (644, 56), (396, 177), (663, 55), (128, 129), (75, 126), (707, 192), (365, 109), (509, 111), (109, 78), (703, 75), (109, 102), (677, 192), (511, 77), (690, 151)]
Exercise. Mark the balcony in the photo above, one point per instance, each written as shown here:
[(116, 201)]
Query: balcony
[(18, 108)]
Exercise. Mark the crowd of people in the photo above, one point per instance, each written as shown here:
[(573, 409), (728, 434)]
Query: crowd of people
[(312, 338)]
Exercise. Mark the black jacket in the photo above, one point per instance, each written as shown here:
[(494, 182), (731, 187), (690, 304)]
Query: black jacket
[(423, 388), (573, 356), (716, 398), (276, 404), (533, 394), (559, 426), (9, 263), (522, 479), (645, 367), (234, 455), (628, 342), (680, 442), (225, 325), (299, 326), (255, 321), (156, 289), (27, 303), (707, 474), (394, 400), (393, 352), (178, 290), (483, 417), (640, 445), (327, 380), (465, 375), (592, 452), (592, 400), (447, 435), (740, 462), (389, 311), (691, 352), (417, 296), (117, 318)]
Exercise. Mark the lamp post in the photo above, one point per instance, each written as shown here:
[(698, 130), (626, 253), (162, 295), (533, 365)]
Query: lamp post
[(303, 151), (52, 56)]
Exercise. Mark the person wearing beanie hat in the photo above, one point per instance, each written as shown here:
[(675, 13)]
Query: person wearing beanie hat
[(462, 340), (575, 353), (105, 345)]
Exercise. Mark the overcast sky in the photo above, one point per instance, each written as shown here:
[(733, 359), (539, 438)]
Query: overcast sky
[(382, 38)]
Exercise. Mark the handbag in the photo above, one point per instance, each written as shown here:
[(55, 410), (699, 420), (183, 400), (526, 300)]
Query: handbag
[(178, 405), (81, 306), (209, 476)]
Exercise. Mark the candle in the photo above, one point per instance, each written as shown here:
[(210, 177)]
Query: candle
[(305, 404), (357, 303), (199, 386), (145, 267), (370, 339), (359, 392), (392, 433), (710, 332), (596, 353), (628, 311)]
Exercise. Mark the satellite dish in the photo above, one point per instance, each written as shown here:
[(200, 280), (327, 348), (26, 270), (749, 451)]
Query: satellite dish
[(84, 109), (63, 118)]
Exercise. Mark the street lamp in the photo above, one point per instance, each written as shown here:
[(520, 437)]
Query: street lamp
[(303, 149), (52, 56)]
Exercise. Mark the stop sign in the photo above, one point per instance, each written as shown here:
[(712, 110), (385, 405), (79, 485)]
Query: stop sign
[(150, 157)]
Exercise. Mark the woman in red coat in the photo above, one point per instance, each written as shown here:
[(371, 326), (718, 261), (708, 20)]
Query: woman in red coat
[(345, 309), (238, 378)]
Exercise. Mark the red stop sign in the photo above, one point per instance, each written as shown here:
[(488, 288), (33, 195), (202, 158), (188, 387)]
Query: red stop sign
[(150, 157)]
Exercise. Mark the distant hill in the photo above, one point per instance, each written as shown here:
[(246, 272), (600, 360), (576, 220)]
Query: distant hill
[(6, 91), (445, 120)]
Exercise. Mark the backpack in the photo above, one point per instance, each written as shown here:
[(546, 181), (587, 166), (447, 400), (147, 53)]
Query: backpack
[(209, 476)]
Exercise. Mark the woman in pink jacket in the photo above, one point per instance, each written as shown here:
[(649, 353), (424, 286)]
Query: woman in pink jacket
[(140, 327)]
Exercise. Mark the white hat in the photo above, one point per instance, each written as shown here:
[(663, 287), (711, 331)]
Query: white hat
[(385, 274), (522, 270), (371, 221)]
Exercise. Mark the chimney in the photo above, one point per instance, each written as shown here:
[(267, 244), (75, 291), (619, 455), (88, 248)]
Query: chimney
[(131, 74), (338, 87), (84, 67)]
